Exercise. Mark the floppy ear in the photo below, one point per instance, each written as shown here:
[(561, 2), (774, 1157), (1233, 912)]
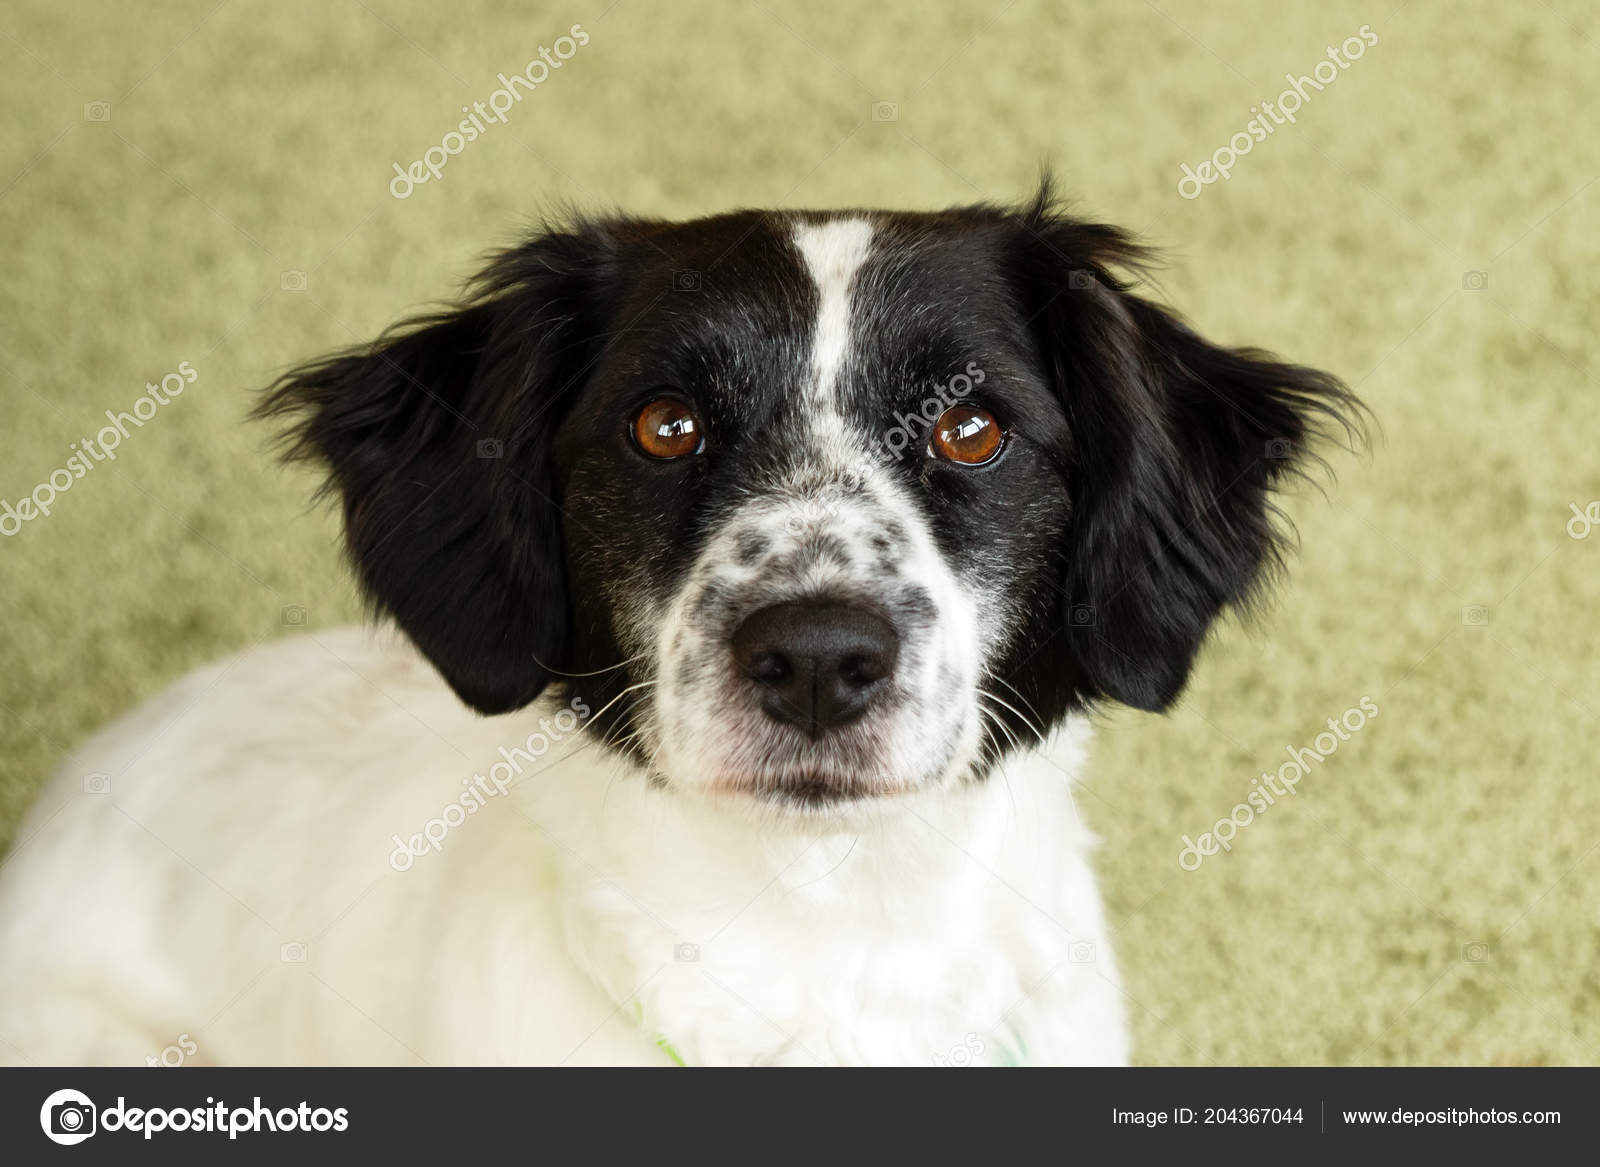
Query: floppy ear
[(1176, 447), (437, 439)]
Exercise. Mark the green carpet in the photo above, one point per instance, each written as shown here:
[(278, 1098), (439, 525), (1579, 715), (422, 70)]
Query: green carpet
[(1419, 900)]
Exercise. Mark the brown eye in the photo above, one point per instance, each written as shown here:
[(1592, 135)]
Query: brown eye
[(667, 428), (966, 435)]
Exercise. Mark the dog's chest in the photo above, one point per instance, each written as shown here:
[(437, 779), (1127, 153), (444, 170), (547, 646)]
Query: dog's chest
[(964, 929), (772, 987), (850, 954)]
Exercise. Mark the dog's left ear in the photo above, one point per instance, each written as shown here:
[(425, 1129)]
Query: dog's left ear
[(436, 438), (1176, 446)]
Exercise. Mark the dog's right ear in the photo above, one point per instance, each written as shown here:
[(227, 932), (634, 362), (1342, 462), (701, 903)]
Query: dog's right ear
[(437, 437)]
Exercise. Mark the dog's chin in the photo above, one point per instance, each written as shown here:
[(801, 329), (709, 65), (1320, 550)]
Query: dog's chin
[(809, 790), (772, 775), (815, 800)]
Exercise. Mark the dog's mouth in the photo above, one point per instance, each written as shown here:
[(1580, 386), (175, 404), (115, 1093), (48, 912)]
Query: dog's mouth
[(807, 790), (745, 762)]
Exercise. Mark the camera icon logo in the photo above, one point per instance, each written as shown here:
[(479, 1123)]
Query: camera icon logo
[(1081, 952), (292, 616), (292, 281), (1080, 280), (965, 1054), (1280, 448), (686, 953), (491, 448), (1474, 281), (686, 281), (97, 111), (97, 783), (1081, 616), (1477, 952), (1475, 616), (67, 1117), (294, 952), (886, 111)]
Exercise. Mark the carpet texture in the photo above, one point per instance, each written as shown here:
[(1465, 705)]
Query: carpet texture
[(209, 185)]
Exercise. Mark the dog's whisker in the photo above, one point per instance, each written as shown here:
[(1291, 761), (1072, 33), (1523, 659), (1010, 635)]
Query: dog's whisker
[(622, 664), (594, 718), (992, 675), (1026, 721), (999, 723), (996, 757)]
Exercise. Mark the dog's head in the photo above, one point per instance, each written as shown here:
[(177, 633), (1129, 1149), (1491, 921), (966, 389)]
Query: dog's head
[(812, 508)]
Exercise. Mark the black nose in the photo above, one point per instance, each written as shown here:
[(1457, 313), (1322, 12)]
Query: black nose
[(819, 665)]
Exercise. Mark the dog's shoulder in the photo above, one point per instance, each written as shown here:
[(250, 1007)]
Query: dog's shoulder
[(219, 862)]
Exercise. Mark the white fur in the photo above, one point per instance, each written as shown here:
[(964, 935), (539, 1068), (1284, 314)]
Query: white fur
[(834, 252), (253, 805)]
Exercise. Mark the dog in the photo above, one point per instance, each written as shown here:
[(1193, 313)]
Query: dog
[(747, 587)]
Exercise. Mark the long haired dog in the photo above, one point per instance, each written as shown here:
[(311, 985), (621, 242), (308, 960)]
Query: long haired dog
[(784, 555)]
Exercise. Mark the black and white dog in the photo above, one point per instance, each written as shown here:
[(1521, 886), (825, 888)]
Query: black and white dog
[(786, 554)]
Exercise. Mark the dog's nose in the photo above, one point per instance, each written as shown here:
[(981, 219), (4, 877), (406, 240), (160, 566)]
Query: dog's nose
[(819, 665)]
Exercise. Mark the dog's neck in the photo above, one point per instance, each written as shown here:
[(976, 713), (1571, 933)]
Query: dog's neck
[(706, 922)]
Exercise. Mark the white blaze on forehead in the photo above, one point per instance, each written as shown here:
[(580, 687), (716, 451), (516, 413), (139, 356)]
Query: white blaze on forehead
[(834, 252)]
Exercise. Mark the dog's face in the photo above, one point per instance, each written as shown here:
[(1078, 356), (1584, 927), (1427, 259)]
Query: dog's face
[(813, 568), (814, 509)]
